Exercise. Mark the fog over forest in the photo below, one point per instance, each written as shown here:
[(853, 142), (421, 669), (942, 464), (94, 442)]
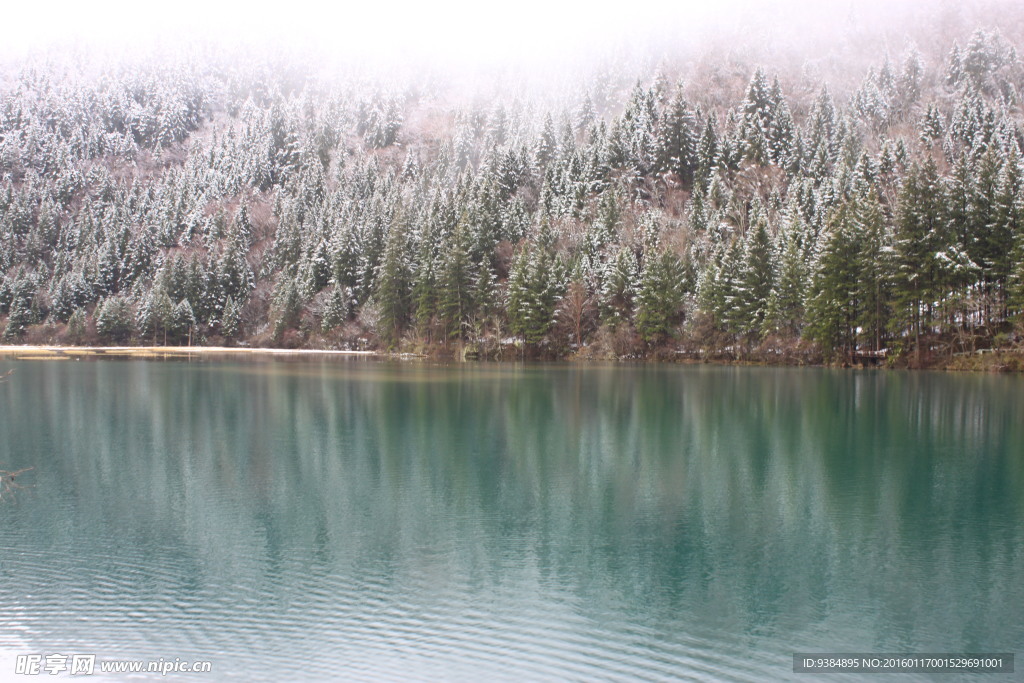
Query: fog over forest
[(782, 181)]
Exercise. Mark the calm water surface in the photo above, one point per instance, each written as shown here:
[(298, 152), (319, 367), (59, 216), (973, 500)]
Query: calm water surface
[(355, 520)]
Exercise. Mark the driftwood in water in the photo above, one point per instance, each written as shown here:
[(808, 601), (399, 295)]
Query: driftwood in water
[(9, 481)]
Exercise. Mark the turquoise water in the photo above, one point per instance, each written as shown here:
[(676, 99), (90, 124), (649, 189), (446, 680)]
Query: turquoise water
[(359, 520)]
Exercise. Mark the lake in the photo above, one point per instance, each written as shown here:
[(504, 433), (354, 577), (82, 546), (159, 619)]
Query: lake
[(367, 520)]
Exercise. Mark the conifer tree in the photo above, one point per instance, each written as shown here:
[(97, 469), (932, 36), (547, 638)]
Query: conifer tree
[(424, 294), (920, 237), (756, 279), (990, 243), (875, 268), (785, 310), (832, 308), (484, 291), (546, 284), (337, 309), (707, 153), (660, 296), (114, 319), (183, 321), (286, 304), (1008, 223), (677, 144), (547, 144), (1015, 294), (455, 285), (156, 313), (18, 320), (231, 319), (518, 292), (536, 284), (393, 288), (619, 287), (727, 289), (234, 277)]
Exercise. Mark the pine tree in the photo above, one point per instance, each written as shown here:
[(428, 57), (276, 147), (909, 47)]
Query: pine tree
[(832, 309), (727, 293), (707, 153), (660, 298), (920, 237), (619, 287), (183, 321), (1015, 293), (932, 126), (990, 243), (455, 285), (18, 321), (875, 268), (242, 226), (77, 326), (677, 144), (234, 277), (337, 309), (424, 294), (547, 144), (286, 305), (546, 285), (757, 111), (785, 310), (536, 283), (393, 288), (114, 319), (1007, 226), (756, 279), (484, 292), (518, 292), (709, 291), (231, 319), (155, 316)]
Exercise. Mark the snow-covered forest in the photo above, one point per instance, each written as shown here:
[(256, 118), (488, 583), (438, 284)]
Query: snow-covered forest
[(711, 205)]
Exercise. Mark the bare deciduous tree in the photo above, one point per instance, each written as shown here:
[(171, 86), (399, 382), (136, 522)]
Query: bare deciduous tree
[(580, 310)]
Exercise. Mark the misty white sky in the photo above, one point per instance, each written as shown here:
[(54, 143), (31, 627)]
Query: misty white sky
[(447, 30)]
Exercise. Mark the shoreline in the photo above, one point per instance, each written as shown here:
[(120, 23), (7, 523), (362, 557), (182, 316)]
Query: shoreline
[(1001, 361), (36, 352)]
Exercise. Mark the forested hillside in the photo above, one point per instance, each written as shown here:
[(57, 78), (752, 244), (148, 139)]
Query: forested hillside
[(702, 207)]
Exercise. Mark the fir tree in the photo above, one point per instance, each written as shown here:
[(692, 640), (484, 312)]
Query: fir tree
[(424, 294), (875, 268), (756, 279), (231, 319), (518, 292), (619, 287), (535, 287), (484, 292), (677, 144), (919, 239), (832, 309), (785, 310), (18, 320), (337, 310), (1007, 224), (114, 319), (393, 289), (183, 321), (286, 305), (155, 315), (727, 313), (455, 285), (1015, 298), (660, 297)]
